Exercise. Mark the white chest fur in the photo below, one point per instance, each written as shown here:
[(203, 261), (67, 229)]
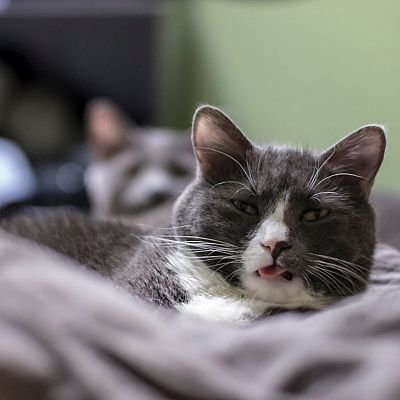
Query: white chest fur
[(211, 297)]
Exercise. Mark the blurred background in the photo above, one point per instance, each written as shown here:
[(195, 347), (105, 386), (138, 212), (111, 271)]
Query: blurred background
[(303, 72)]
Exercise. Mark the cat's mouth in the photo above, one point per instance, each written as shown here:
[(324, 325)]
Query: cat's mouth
[(274, 271)]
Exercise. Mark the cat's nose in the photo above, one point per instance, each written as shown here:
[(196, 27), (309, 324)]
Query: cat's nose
[(276, 247)]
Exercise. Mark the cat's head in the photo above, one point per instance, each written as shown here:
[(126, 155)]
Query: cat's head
[(134, 168), (289, 226)]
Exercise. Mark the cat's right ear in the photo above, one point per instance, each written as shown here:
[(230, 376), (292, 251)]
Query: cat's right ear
[(219, 145), (106, 126), (357, 157)]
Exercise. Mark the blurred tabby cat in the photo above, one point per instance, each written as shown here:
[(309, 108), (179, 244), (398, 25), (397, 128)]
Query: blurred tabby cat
[(136, 172), (259, 229)]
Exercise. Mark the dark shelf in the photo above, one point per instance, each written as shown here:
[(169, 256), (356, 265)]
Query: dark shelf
[(88, 48), (79, 8)]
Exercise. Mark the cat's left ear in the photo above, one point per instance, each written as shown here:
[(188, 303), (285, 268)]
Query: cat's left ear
[(107, 127), (358, 156), (220, 147)]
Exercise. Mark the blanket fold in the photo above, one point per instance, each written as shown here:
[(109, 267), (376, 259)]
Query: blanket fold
[(66, 334)]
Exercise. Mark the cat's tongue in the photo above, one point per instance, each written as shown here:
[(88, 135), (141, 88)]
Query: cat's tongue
[(272, 271)]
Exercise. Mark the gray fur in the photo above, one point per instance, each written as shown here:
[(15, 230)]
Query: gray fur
[(109, 248), (231, 167)]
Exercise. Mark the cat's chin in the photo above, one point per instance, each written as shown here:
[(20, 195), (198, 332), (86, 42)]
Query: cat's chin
[(279, 287)]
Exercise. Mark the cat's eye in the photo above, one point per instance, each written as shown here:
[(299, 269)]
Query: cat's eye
[(245, 207), (314, 215)]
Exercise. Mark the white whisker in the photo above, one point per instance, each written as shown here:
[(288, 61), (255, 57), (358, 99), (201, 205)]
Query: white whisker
[(339, 174), (233, 182), (315, 176), (340, 260), (163, 228), (233, 159)]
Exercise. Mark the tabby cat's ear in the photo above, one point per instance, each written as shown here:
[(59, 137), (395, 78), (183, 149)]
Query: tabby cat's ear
[(358, 156), (107, 127), (219, 145)]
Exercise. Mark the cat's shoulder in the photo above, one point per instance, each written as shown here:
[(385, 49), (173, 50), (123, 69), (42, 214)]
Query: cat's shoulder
[(64, 219), (99, 244)]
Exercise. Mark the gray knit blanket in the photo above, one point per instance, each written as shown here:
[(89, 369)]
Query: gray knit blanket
[(66, 334)]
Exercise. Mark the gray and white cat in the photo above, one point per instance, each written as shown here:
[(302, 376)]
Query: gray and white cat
[(136, 172), (259, 229)]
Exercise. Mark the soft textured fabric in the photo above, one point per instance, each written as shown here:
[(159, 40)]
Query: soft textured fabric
[(387, 209), (66, 334)]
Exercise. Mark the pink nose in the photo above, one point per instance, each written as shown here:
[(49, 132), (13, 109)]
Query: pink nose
[(275, 247)]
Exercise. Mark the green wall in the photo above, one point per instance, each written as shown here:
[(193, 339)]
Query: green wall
[(298, 71)]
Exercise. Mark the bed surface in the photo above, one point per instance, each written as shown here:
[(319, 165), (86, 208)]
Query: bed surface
[(66, 334)]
